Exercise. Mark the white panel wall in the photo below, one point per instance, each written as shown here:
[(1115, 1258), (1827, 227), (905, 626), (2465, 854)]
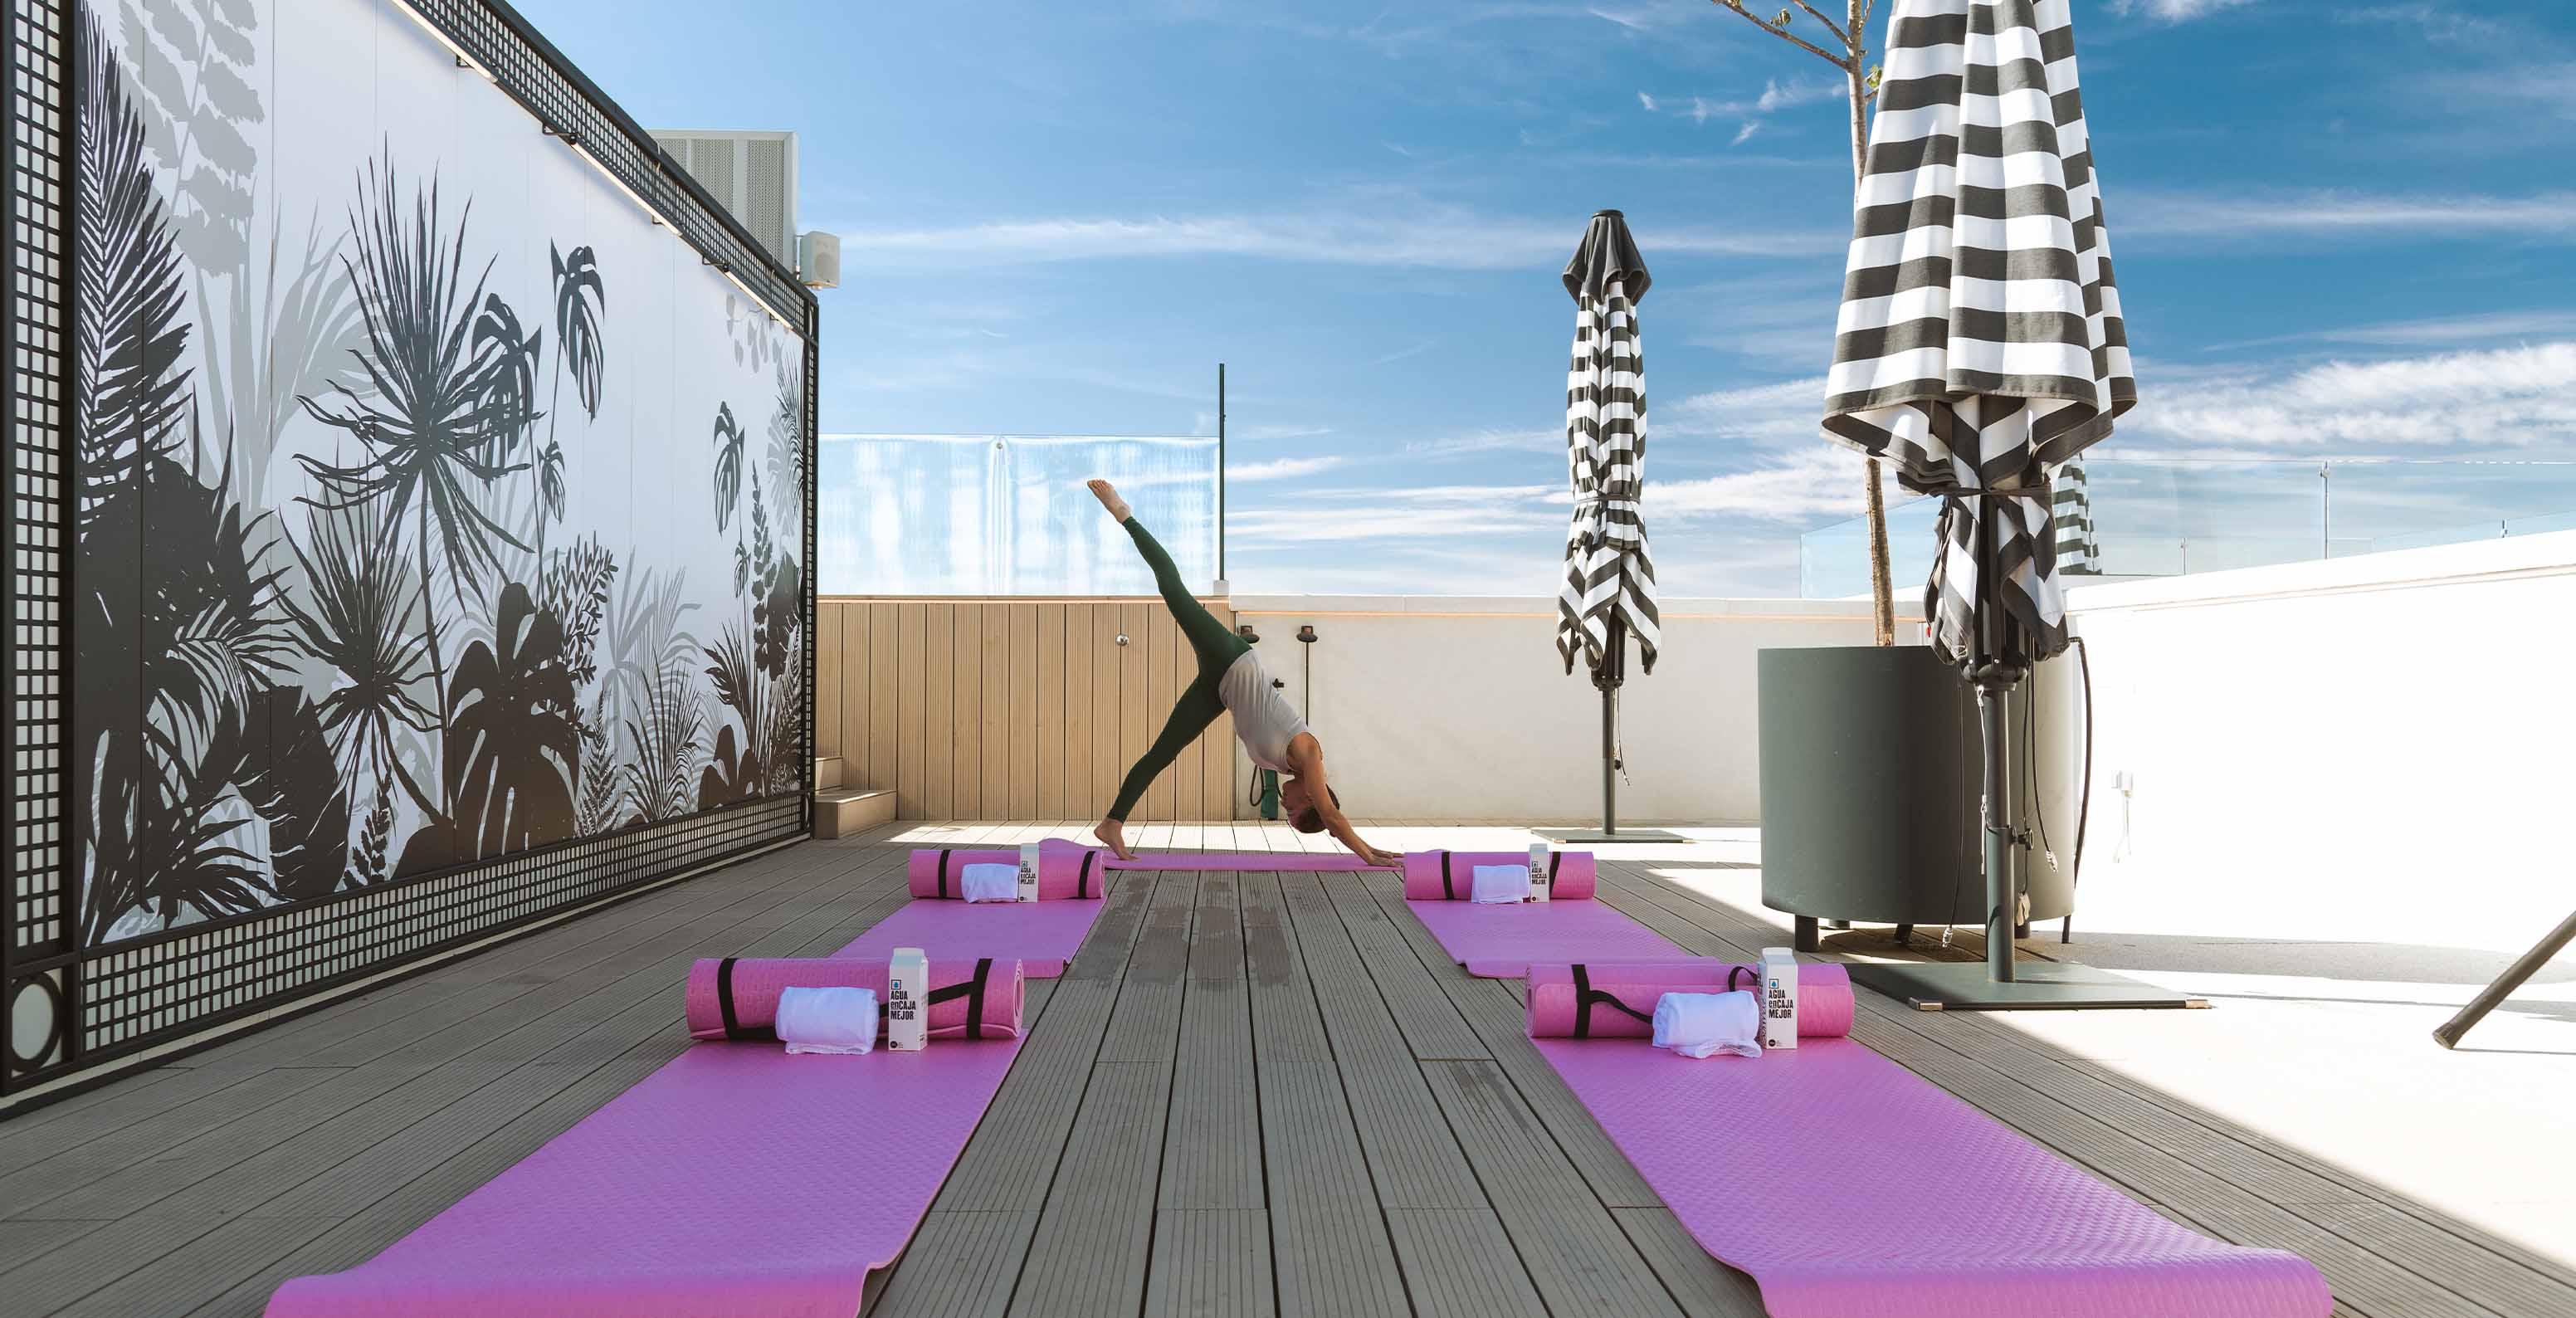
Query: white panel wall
[(1458, 708), (2372, 749)]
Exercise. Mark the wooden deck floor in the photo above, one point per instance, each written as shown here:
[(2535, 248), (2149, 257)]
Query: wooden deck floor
[(1250, 1094)]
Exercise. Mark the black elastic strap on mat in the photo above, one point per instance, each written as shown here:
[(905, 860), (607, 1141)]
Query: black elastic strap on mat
[(1554, 859), (973, 991), (1586, 996), (733, 1026), (1448, 890), (1082, 877), (943, 872), (1733, 971)]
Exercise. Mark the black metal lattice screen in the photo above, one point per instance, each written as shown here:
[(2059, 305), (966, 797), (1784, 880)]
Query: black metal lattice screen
[(64, 1008)]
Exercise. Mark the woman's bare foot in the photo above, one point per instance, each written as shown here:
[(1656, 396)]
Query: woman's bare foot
[(1108, 496), (1113, 832)]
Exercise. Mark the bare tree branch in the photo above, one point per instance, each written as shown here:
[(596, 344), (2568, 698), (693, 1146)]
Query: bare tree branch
[(1737, 6), (1839, 34)]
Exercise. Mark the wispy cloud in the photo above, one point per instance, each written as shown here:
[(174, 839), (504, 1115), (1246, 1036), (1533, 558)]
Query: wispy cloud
[(1487, 441), (2426, 332), (1751, 114), (1401, 353), (1280, 469), (1441, 239), (2173, 11), (1277, 431), (2547, 216), (2498, 400)]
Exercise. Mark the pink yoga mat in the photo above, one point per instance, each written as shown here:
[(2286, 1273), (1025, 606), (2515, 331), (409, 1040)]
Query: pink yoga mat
[(1041, 936), (1070, 870), (1776, 1165), (735, 1180), (1066, 870), (1502, 942), (1824, 995), (1433, 876), (737, 997)]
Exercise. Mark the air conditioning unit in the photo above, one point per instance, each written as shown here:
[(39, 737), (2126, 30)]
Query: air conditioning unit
[(753, 174)]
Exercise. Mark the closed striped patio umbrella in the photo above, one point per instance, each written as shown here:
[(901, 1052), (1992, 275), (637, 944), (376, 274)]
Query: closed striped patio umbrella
[(1980, 343), (1980, 347), (1607, 602)]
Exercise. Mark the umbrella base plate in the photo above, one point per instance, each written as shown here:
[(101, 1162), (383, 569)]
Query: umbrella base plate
[(2037, 986), (1593, 837)]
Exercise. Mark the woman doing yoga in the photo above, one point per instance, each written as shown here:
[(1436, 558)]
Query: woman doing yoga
[(1229, 679)]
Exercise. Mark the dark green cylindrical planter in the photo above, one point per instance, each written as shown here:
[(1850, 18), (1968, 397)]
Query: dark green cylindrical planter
[(1869, 787)]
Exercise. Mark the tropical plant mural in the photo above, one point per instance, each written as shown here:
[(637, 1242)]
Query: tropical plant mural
[(396, 551)]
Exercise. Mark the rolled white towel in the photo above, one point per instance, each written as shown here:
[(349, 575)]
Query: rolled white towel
[(1500, 883), (827, 1020), (991, 883), (1702, 1024)]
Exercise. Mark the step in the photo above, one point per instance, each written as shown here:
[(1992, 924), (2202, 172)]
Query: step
[(827, 772), (849, 811)]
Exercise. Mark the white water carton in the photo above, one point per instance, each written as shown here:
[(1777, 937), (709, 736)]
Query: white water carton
[(1029, 872), (1779, 998), (907, 1000), (1538, 872)]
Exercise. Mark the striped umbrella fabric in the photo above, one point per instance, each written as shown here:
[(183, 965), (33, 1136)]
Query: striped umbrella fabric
[(1608, 571), (1980, 344)]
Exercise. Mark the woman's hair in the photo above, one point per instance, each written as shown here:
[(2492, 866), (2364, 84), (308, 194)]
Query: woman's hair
[(1310, 819)]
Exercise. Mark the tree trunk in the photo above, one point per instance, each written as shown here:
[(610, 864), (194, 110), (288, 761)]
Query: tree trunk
[(1882, 599)]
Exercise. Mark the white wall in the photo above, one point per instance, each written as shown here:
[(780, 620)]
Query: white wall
[(2372, 748), (1458, 707)]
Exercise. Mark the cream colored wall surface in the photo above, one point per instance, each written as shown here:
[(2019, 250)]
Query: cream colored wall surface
[(2365, 749), (1457, 708)]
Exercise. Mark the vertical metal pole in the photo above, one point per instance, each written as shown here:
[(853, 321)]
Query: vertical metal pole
[(1995, 673), (2325, 509), (1220, 471), (1613, 669)]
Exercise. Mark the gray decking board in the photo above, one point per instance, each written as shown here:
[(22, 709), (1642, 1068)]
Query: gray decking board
[(1093, 1239), (1145, 1024), (959, 1265), (1413, 1158), (1459, 1263), (1212, 1144), (1285, 1024), (1576, 1254), (1702, 1286), (1329, 1238), (1493, 1008), (1211, 1263), (1431, 1025)]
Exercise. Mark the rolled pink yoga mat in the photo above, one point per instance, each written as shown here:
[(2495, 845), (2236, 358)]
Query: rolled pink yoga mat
[(1435, 876), (1068, 870), (737, 997), (1622, 996)]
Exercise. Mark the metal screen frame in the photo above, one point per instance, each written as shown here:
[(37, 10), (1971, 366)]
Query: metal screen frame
[(71, 1011)]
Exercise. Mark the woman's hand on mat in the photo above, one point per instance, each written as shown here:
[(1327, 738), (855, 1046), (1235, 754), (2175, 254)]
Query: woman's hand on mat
[(1382, 859), (1113, 835)]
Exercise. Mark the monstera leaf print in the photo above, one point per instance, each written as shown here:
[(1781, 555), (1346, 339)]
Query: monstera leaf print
[(729, 442), (580, 296), (514, 741)]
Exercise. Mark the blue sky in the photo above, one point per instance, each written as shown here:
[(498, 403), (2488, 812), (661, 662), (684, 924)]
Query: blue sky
[(2340, 229)]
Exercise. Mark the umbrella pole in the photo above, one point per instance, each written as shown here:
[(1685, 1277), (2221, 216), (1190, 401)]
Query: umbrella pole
[(1995, 672), (1613, 656)]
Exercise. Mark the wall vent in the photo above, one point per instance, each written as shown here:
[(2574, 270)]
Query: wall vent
[(751, 174)]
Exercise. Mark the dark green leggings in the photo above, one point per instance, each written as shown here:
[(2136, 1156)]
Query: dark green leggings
[(1216, 646)]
